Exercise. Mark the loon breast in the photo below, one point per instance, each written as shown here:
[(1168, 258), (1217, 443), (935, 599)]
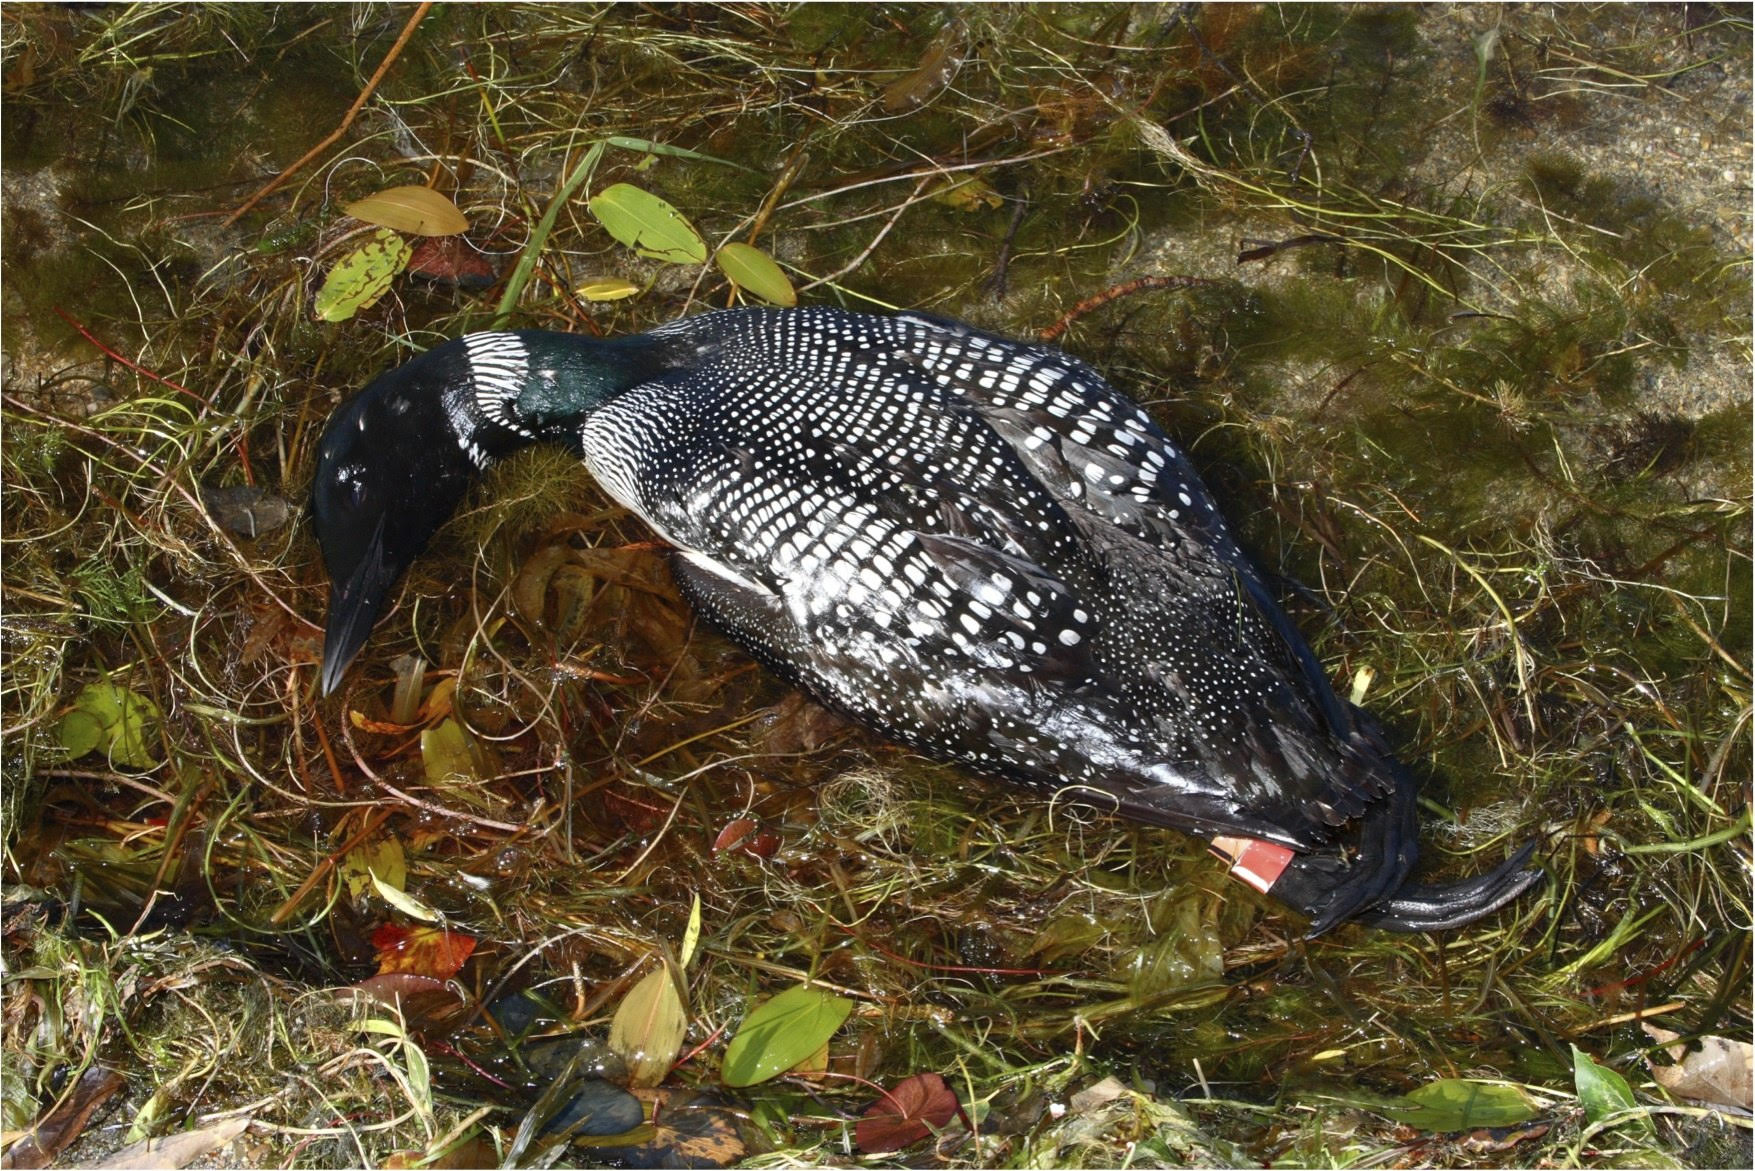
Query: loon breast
[(982, 549)]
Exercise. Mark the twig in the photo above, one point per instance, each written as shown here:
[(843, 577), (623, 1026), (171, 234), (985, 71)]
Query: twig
[(912, 199), (420, 13), (1091, 304), (243, 440), (131, 364)]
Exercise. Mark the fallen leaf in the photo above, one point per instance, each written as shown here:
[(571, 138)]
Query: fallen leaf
[(914, 1109), (50, 1134), (403, 901), (419, 211), (449, 260), (448, 755), (697, 1130), (1722, 1070), (1100, 1094), (382, 859), (362, 276), (746, 834), (398, 989), (175, 1151), (424, 951), (937, 68), (245, 509), (649, 1025)]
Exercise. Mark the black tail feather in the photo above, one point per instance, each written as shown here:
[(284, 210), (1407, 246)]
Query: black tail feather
[(1365, 879)]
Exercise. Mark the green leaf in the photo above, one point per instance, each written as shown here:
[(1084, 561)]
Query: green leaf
[(362, 276), (647, 224), (1462, 1104), (382, 859), (648, 1028), (111, 718), (751, 270), (647, 146), (447, 755), (1601, 1091), (783, 1032)]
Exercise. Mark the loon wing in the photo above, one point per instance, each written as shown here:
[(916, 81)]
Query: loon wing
[(1120, 478)]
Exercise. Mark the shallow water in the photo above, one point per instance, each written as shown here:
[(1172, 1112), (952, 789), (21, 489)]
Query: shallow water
[(1478, 400)]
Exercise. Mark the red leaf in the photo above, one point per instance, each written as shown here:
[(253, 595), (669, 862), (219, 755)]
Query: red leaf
[(735, 831), (917, 1106), (449, 260), (423, 951), (747, 834)]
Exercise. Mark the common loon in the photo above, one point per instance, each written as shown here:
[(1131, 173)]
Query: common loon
[(973, 545)]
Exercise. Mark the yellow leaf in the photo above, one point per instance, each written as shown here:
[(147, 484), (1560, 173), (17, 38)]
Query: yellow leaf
[(649, 1026), (419, 211), (607, 289), (447, 755), (404, 902), (692, 934), (383, 860)]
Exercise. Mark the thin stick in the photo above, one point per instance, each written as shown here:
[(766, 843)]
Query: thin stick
[(913, 199), (420, 13), (128, 362), (1090, 304)]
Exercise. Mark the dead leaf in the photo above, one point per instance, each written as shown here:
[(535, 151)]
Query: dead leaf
[(915, 1109), (64, 1122), (175, 1151), (422, 951), (746, 834), (1721, 1071), (419, 211), (1101, 1094), (692, 1130), (449, 260)]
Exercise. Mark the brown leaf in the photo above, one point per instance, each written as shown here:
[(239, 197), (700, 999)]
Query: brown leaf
[(917, 1107), (1719, 1071), (748, 835), (450, 260), (175, 1151), (690, 1130), (64, 1122)]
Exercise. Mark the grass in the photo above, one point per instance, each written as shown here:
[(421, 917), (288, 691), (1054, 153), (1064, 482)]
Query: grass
[(1478, 399)]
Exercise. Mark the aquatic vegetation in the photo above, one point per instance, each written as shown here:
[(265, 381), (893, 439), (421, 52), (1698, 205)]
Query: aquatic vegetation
[(1466, 361)]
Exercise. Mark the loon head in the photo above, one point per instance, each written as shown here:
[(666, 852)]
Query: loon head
[(393, 464), (396, 460)]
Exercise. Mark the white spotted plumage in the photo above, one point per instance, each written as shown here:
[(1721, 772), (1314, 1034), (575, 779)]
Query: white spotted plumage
[(980, 547)]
